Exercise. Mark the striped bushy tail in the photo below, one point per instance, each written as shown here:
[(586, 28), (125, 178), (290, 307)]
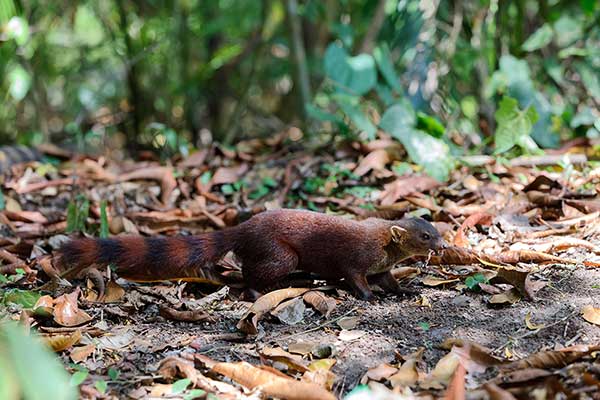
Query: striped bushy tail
[(139, 258)]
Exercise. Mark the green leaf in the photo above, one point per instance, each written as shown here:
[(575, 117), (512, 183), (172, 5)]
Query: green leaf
[(590, 79), (425, 326), (180, 385), (71, 217), (101, 386), (514, 125), (568, 30), (354, 75), (430, 125), (103, 220), (88, 29), (383, 58), (17, 29), (78, 378), (38, 372), (2, 201), (320, 115), (358, 118), (429, 152), (540, 38), (26, 298), (584, 117), (194, 394), (20, 82), (113, 373)]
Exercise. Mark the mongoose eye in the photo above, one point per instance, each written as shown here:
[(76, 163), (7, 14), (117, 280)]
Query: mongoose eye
[(426, 236)]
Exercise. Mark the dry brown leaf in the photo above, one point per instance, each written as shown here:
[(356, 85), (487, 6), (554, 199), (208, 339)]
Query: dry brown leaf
[(406, 185), (249, 322), (530, 325), (480, 218), (401, 273), (375, 160), (62, 342), (320, 373), (320, 301), (183, 315), (407, 375), (66, 311), (497, 393), (431, 280), (510, 296), (456, 389), (476, 352), (591, 314), (379, 373), (293, 361), (81, 353), (552, 358), (270, 383), (442, 373), (225, 175), (164, 175)]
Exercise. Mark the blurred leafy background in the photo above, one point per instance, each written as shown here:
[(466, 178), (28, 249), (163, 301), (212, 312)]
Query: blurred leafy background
[(444, 77)]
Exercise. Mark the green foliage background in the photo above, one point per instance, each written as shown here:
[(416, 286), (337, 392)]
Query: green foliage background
[(162, 74)]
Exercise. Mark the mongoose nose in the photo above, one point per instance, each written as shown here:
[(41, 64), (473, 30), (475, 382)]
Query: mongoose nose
[(443, 245)]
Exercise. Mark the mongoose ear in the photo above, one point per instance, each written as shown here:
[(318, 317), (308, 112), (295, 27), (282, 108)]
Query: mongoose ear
[(398, 233)]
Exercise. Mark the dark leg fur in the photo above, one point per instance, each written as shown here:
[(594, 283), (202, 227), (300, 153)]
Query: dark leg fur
[(388, 283), (360, 286)]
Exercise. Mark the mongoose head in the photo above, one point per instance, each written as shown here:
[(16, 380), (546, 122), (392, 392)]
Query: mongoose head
[(417, 237)]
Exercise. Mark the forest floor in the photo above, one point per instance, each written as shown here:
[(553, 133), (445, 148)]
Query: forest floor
[(509, 311)]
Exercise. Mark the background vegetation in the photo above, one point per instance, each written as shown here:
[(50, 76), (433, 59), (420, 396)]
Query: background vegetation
[(447, 77)]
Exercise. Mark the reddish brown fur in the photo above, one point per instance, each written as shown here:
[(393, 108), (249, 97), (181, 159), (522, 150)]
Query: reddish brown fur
[(270, 246)]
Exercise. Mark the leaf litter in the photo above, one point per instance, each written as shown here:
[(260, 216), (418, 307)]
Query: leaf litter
[(508, 310)]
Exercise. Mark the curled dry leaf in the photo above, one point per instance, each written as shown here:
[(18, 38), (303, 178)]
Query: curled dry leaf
[(293, 361), (406, 185), (379, 373), (62, 342), (408, 375), (81, 353), (511, 296), (271, 383), (375, 160), (185, 315), (552, 359), (442, 373), (163, 175), (476, 352), (66, 311), (401, 273), (431, 280), (249, 322), (497, 393), (480, 218), (456, 389), (591, 314), (290, 312), (320, 373), (530, 325), (320, 301)]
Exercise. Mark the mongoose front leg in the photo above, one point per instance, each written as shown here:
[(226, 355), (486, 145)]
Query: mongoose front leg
[(360, 286), (389, 284)]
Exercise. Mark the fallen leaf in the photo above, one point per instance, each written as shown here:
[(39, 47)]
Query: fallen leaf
[(407, 375), (510, 296), (66, 311), (530, 325), (290, 312), (379, 373), (456, 389), (81, 353), (293, 361), (348, 322), (249, 322), (271, 384), (431, 280), (552, 358), (183, 315), (591, 314), (481, 218), (320, 301), (348, 336), (375, 160), (62, 342)]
